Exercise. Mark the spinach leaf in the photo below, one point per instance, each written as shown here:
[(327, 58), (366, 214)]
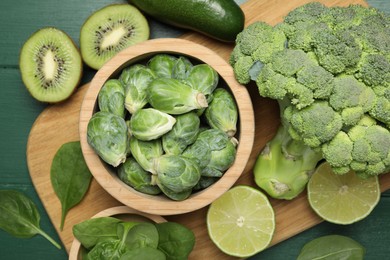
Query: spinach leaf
[(95, 230), (176, 240), (143, 253), (70, 176), (107, 250), (20, 217), (332, 247), (141, 235)]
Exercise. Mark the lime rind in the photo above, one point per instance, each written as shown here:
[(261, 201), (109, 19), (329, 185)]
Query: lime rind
[(241, 222), (342, 199)]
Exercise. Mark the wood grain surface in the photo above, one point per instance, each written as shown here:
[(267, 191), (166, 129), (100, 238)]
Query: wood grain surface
[(59, 124)]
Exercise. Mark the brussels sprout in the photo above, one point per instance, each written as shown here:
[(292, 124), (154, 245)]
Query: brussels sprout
[(162, 65), (203, 78), (204, 183), (144, 152), (181, 68), (174, 97), (127, 74), (107, 135), (149, 124), (136, 94), (131, 173), (174, 195), (220, 160), (217, 147), (222, 112), (200, 152), (183, 133), (176, 172), (111, 97)]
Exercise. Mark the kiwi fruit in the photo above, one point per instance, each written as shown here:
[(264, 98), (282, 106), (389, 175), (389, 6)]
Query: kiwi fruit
[(50, 65), (110, 30)]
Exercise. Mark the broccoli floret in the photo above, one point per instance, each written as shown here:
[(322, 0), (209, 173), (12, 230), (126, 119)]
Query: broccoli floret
[(315, 124), (351, 98), (332, 82), (371, 147), (255, 44)]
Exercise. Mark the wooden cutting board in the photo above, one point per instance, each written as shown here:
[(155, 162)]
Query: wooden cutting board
[(58, 124)]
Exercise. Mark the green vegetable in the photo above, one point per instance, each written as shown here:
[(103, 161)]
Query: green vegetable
[(178, 196), (204, 78), (143, 253), (174, 97), (109, 249), (181, 68), (332, 247), (162, 65), (222, 152), (139, 235), (110, 238), (126, 76), (111, 97), (176, 172), (149, 124), (284, 166), (176, 240), (222, 112), (107, 134), (70, 176), (20, 217), (329, 69), (95, 230), (131, 173), (144, 152), (136, 88), (220, 19), (183, 133)]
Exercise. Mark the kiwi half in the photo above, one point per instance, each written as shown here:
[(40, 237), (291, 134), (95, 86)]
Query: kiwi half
[(50, 65), (110, 30)]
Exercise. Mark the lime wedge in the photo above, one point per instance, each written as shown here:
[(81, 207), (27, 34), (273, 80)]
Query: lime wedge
[(241, 222), (342, 199)]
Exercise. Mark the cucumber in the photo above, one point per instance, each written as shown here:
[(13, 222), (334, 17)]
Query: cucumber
[(219, 19)]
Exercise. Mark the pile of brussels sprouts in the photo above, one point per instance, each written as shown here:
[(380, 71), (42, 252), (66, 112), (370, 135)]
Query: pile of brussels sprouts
[(167, 125)]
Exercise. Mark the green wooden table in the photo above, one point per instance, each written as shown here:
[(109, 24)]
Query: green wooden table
[(18, 111)]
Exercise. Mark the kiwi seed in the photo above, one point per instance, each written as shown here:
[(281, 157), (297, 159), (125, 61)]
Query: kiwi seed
[(50, 65), (110, 30)]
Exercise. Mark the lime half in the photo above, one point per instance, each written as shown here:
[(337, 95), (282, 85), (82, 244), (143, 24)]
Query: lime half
[(241, 222), (342, 199)]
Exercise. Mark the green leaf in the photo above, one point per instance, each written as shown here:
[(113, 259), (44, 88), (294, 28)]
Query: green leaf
[(332, 247), (70, 176), (139, 235), (176, 240), (20, 217), (143, 253), (95, 230)]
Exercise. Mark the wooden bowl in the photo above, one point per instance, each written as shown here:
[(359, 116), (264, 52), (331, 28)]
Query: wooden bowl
[(120, 212), (161, 205)]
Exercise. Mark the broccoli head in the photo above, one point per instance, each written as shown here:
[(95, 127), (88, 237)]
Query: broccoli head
[(329, 69)]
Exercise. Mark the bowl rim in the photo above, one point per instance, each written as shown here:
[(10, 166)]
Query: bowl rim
[(159, 205), (110, 212)]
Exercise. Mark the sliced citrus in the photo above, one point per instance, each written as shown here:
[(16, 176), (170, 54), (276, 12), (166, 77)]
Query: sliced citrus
[(241, 222), (342, 199)]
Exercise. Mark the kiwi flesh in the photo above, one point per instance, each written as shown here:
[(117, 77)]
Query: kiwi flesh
[(110, 30), (50, 65)]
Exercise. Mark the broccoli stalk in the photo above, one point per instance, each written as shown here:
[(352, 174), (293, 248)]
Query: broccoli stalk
[(285, 165)]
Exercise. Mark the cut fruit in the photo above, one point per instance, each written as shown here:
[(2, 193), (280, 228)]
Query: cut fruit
[(50, 65), (110, 30), (241, 222), (342, 199)]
